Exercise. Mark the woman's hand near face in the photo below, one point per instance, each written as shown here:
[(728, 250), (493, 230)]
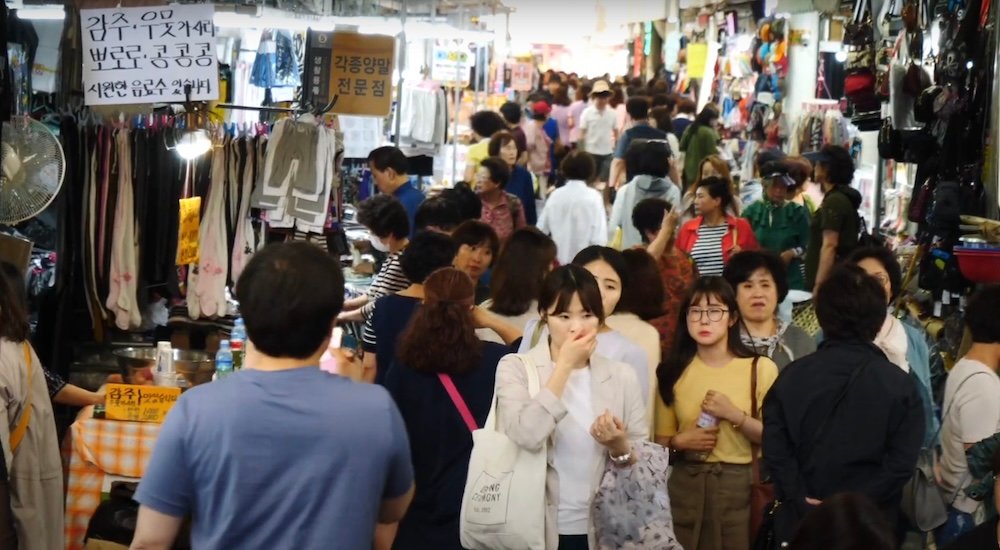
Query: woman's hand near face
[(576, 351)]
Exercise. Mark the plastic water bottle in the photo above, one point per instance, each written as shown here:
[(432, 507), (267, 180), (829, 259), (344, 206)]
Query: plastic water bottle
[(223, 360), (164, 358), (705, 420), (237, 340)]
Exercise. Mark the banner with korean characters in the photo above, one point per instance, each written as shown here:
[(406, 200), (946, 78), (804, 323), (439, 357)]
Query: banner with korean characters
[(361, 73), (148, 55)]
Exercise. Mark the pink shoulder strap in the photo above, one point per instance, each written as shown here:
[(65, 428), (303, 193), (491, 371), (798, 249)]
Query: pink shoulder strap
[(456, 398)]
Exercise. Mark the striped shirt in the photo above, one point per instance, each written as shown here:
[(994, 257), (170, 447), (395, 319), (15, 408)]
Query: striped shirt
[(390, 279), (707, 250)]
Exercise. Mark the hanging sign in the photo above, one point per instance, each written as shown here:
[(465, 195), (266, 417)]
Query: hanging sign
[(148, 55), (452, 65), (139, 403), (189, 228), (361, 73), (520, 77)]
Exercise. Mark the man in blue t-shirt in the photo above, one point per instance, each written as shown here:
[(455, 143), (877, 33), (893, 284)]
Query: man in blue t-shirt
[(280, 454), (389, 167), (638, 110)]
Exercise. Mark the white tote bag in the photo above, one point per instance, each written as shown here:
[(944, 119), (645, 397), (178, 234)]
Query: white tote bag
[(503, 507)]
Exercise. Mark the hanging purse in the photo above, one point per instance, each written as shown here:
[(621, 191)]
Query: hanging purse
[(889, 141)]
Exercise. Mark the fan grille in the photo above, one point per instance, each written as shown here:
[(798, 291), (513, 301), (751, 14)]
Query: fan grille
[(33, 167)]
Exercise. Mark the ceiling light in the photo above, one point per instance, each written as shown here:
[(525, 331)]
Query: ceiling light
[(193, 144), (45, 12)]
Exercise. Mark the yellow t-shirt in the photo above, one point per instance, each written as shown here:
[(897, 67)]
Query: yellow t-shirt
[(733, 380), (477, 153)]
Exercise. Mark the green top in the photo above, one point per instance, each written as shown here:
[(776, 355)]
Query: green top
[(698, 143), (838, 212), (781, 228)]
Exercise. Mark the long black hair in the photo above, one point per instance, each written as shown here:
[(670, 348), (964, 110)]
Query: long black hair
[(685, 347), (709, 113)]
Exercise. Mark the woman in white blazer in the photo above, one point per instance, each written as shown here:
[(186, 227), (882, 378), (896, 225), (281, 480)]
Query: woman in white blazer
[(590, 410)]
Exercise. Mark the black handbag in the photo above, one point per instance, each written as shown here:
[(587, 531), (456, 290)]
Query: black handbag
[(889, 141)]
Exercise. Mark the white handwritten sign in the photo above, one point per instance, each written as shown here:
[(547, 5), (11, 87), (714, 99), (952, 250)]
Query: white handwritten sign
[(148, 55)]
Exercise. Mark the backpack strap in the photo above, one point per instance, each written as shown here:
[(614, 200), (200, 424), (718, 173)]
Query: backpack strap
[(17, 435)]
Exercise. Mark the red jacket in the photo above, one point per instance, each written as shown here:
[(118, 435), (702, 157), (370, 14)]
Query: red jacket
[(739, 233)]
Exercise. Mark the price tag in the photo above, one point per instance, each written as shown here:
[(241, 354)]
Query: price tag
[(139, 403), (188, 230)]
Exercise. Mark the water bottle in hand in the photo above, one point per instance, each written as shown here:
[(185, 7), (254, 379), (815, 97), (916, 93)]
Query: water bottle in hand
[(705, 420)]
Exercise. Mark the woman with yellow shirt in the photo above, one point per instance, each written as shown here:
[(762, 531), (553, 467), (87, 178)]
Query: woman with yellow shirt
[(705, 418)]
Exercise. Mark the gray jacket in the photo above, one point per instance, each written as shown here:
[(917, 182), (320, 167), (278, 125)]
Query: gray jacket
[(641, 187), (531, 422)]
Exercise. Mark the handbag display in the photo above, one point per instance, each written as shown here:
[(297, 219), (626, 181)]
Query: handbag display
[(761, 491), (503, 506)]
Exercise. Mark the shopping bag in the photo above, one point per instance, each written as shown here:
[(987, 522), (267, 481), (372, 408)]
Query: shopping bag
[(503, 507)]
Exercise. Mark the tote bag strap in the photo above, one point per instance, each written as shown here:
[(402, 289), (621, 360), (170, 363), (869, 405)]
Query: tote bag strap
[(754, 413), (534, 386), (456, 399), (22, 425)]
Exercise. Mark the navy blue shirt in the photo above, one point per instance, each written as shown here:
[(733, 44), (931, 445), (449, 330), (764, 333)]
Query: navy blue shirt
[(392, 314), (440, 443), (295, 458), (411, 197), (522, 186), (641, 130), (681, 124)]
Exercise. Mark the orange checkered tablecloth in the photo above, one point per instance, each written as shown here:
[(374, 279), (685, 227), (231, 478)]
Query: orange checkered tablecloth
[(101, 448)]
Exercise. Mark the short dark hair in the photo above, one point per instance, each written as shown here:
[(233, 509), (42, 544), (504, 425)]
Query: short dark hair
[(633, 158), (437, 212), (290, 295), (687, 107), (647, 215), (520, 270), (663, 117), (662, 100), (612, 257), (14, 324), (644, 294), (767, 156), (889, 262), (742, 265), (383, 158), (443, 322), (850, 305), (655, 159), (981, 315), (475, 233), (511, 112), (498, 169), (487, 123), (578, 165), (845, 521), (384, 215), (470, 207), (560, 286), (498, 141), (839, 164), (637, 108), (718, 188), (583, 91), (427, 252)]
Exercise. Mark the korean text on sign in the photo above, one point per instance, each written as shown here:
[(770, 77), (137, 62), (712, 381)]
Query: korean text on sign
[(361, 73), (146, 55), (139, 403)]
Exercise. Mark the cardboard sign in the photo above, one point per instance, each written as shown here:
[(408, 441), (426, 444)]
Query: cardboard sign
[(188, 231), (139, 403), (361, 73), (147, 55), (520, 77)]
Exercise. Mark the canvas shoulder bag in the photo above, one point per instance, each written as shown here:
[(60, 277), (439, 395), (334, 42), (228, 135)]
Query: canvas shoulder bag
[(503, 506)]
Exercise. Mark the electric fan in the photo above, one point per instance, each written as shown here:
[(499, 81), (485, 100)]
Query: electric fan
[(33, 166)]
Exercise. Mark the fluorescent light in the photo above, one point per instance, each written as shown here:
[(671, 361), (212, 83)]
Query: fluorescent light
[(193, 144), (47, 12)]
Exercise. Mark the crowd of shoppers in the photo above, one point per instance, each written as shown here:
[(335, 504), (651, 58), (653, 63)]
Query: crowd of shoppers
[(669, 339)]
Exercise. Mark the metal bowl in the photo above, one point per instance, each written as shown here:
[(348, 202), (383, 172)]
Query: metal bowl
[(137, 365)]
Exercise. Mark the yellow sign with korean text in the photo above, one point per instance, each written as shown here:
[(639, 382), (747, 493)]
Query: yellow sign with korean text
[(139, 403), (361, 73), (189, 229)]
